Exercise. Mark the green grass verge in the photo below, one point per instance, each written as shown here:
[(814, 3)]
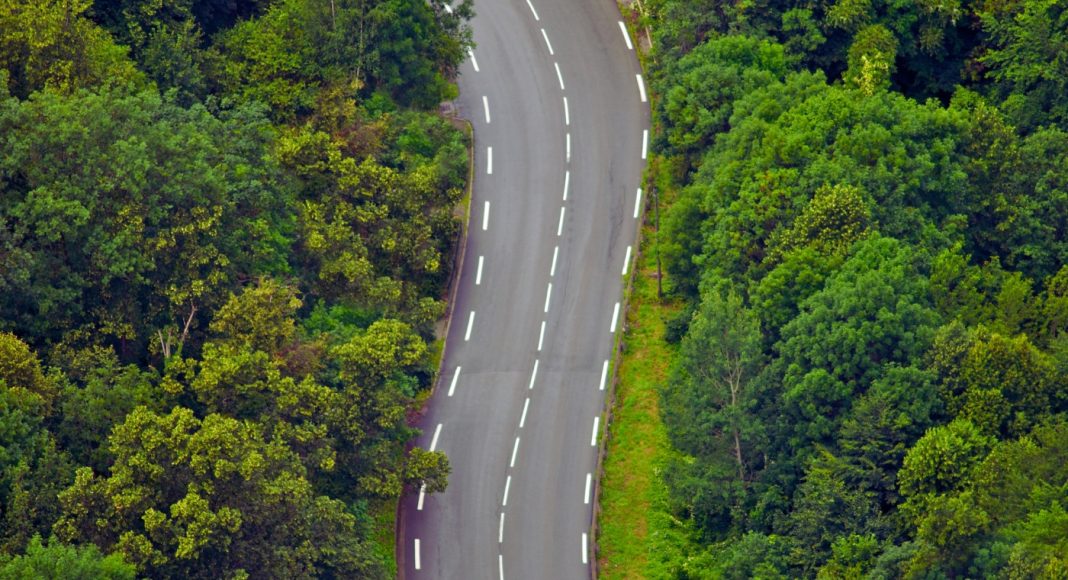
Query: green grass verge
[(383, 534), (638, 536)]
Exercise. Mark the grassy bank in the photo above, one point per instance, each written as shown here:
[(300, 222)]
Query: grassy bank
[(383, 535), (638, 536)]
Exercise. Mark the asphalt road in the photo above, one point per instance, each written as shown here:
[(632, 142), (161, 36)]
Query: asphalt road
[(560, 118)]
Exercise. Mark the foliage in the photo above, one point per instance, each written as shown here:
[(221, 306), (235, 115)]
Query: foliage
[(56, 561), (192, 498), (51, 43), (225, 235), (898, 268)]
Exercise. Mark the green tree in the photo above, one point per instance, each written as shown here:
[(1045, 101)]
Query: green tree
[(871, 59), (700, 88), (826, 509), (708, 409), (197, 498), (51, 43), (870, 314), (57, 561), (32, 469), (262, 317), (133, 214), (1002, 385), (711, 393), (1024, 57), (882, 426)]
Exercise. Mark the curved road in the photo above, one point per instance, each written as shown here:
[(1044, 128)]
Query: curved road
[(558, 106)]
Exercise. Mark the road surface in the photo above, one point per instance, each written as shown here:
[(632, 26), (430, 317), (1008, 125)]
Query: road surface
[(554, 91)]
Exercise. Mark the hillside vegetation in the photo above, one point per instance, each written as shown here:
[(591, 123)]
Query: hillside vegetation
[(225, 232), (870, 232)]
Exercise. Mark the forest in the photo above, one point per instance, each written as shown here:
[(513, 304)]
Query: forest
[(868, 228), (226, 228)]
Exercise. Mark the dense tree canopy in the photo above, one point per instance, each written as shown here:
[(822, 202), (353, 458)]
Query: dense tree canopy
[(226, 229), (867, 226)]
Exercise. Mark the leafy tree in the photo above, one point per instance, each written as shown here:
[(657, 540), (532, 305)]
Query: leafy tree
[(753, 555), (941, 461), (711, 395), (881, 427), (57, 561), (51, 43), (32, 469), (790, 140), (832, 221), (1024, 57), (261, 317), (380, 236), (269, 59), (871, 313), (174, 59), (708, 407), (871, 59), (825, 510), (700, 88), (133, 214), (196, 498), (1002, 385), (98, 401), (21, 371), (777, 298)]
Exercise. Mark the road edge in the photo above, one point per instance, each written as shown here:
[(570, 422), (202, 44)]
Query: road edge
[(454, 285), (628, 288)]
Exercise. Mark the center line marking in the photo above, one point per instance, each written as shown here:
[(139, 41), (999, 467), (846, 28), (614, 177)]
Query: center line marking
[(418, 562), (478, 275), (645, 142), (455, 375), (523, 419), (567, 182), (434, 439), (623, 29), (604, 374), (533, 10), (422, 493), (585, 548), (552, 270), (559, 76), (485, 218), (500, 565), (548, 295), (547, 43), (567, 113), (474, 62), (533, 375), (589, 476), (626, 262), (637, 203), (507, 486), (568, 138), (470, 323), (489, 160), (515, 450), (560, 226), (541, 336), (485, 105), (641, 86), (615, 317), (500, 530), (593, 437)]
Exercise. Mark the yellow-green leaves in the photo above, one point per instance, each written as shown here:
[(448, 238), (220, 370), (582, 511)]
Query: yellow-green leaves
[(53, 44)]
